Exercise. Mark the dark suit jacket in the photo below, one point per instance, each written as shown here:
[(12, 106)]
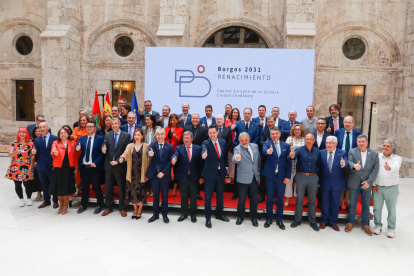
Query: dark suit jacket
[(126, 128), (286, 128), (212, 161), (160, 163), (329, 122), (200, 137), (187, 121), (283, 161), (44, 158), (113, 153), (323, 145), (226, 135), (334, 180), (264, 137), (254, 132), (204, 120), (143, 116), (340, 135), (97, 155), (184, 165), (257, 120), (31, 127)]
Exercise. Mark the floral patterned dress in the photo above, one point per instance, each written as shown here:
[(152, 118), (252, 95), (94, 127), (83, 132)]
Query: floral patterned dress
[(20, 164)]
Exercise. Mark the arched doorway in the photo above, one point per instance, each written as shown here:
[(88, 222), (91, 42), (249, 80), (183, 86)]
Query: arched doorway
[(235, 37)]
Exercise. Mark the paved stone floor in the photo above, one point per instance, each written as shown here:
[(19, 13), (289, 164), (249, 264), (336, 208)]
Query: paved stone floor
[(40, 242)]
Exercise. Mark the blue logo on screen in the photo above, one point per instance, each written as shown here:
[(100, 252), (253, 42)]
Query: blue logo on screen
[(191, 85)]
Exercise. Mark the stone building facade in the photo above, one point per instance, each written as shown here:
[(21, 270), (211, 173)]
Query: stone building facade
[(73, 51)]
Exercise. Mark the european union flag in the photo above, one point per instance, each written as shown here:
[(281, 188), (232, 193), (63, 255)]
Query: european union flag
[(134, 106)]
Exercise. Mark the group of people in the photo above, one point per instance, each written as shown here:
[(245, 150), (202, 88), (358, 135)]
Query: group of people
[(323, 160)]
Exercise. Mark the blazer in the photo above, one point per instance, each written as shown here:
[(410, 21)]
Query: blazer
[(204, 120), (58, 159), (340, 135), (123, 121), (265, 136), (187, 121), (201, 135), (283, 162), (31, 127), (330, 123), (112, 152), (179, 132), (226, 135), (97, 155), (323, 142), (143, 116), (161, 124), (44, 158), (153, 138), (127, 155), (184, 165), (334, 180), (246, 167), (160, 163), (254, 132), (367, 173), (126, 128), (212, 162), (286, 127), (257, 120)]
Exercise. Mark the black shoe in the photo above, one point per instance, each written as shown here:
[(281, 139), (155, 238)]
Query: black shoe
[(133, 217), (199, 197), (306, 205), (193, 219), (181, 218), (223, 218), (261, 199), (97, 210), (208, 223), (295, 224), (319, 206), (314, 226), (254, 222), (153, 218), (166, 219), (347, 208), (234, 197), (274, 201), (267, 223), (239, 221), (82, 209), (280, 224)]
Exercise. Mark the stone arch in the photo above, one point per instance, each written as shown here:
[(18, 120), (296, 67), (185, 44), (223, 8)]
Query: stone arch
[(10, 23), (120, 23), (362, 25), (272, 40)]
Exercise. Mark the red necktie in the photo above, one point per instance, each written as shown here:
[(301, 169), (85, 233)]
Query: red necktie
[(218, 153), (189, 156)]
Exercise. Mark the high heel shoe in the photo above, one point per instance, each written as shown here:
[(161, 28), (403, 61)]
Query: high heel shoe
[(287, 201), (133, 217), (139, 216)]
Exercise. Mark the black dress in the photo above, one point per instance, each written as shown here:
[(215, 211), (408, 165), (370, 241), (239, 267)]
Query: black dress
[(62, 182), (136, 190), (36, 185)]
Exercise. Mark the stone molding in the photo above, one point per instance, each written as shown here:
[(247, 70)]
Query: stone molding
[(10, 23)]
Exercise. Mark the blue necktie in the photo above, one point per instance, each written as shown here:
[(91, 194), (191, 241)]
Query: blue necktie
[(44, 140), (88, 149), (116, 139), (130, 131), (330, 162), (160, 149), (278, 155)]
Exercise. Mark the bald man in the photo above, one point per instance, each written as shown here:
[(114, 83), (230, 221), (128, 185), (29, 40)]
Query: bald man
[(289, 123)]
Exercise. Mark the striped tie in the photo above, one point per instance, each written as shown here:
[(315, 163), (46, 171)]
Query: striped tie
[(330, 162)]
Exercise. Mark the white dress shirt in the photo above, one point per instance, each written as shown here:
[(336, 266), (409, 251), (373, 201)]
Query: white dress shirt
[(219, 148), (277, 122), (264, 121), (319, 138), (249, 148), (364, 158), (388, 178), (350, 139), (209, 121), (90, 153), (165, 121), (277, 149)]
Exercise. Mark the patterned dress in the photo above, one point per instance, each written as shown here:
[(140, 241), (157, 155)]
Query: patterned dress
[(136, 190), (20, 164)]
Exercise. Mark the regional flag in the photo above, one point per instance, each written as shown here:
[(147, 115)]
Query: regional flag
[(96, 109), (134, 106), (107, 106)]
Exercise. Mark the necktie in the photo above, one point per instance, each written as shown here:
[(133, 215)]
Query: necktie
[(88, 149), (330, 162), (247, 126), (335, 124), (218, 153), (220, 131), (347, 142), (278, 155), (291, 124), (160, 149), (188, 153), (247, 149), (44, 141), (116, 139), (264, 124), (130, 131)]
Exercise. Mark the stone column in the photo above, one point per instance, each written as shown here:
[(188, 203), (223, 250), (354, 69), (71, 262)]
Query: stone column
[(61, 76), (174, 23)]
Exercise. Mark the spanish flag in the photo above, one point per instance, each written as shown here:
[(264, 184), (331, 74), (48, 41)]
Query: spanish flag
[(96, 109), (107, 106)]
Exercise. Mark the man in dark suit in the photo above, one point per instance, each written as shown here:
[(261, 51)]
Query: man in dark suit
[(147, 110), (91, 165), (165, 118), (277, 171), (185, 117), (224, 132), (188, 159), (289, 123), (261, 120), (216, 165), (114, 146), (208, 120), (115, 114), (131, 125), (44, 164), (334, 122), (279, 121), (159, 172), (39, 119), (332, 181)]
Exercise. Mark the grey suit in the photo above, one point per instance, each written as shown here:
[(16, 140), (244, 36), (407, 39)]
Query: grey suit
[(248, 174), (368, 172), (143, 116)]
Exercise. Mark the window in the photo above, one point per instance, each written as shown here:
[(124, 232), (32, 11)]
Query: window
[(124, 46), (24, 45), (25, 100), (127, 89), (353, 48), (235, 37), (351, 99)]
